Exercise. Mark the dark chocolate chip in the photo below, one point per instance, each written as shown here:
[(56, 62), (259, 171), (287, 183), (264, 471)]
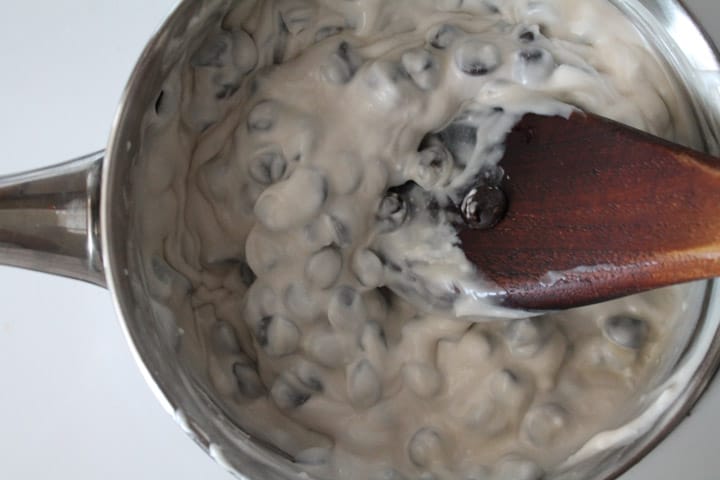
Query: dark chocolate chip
[(226, 91), (268, 167), (248, 381), (345, 63), (262, 117), (281, 41), (475, 57), (327, 32), (492, 8), (298, 398), (246, 274), (343, 234), (527, 36), (392, 212), (444, 36), (347, 296), (459, 138), (159, 102), (531, 56), (484, 207), (211, 52), (373, 329), (288, 396), (313, 383), (626, 331), (261, 334)]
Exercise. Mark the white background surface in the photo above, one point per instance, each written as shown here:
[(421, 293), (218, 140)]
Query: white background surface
[(72, 403)]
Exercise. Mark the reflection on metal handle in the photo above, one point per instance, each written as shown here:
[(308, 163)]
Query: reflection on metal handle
[(49, 219)]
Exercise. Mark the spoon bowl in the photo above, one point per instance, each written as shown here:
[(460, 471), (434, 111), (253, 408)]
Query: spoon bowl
[(597, 210)]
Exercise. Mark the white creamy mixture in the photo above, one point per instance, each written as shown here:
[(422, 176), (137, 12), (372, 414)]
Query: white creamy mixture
[(300, 164)]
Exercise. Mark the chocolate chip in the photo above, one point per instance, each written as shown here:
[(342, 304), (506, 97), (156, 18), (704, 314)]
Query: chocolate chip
[(492, 8), (159, 102), (278, 336), (248, 381), (281, 41), (527, 36), (444, 36), (626, 331), (346, 296), (226, 91), (313, 383), (421, 66), (246, 274), (287, 396), (525, 337), (433, 168), (268, 167), (342, 232), (460, 139), (263, 116), (297, 18), (484, 207), (476, 57), (326, 32), (364, 386), (392, 212), (533, 66), (425, 447), (261, 333), (531, 55), (342, 65), (212, 53)]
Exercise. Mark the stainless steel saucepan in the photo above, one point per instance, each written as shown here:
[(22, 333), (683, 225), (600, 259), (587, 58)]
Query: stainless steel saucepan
[(75, 220)]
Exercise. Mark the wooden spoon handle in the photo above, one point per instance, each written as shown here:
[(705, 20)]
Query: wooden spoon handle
[(598, 210)]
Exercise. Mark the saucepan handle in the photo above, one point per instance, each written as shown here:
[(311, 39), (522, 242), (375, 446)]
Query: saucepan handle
[(49, 219)]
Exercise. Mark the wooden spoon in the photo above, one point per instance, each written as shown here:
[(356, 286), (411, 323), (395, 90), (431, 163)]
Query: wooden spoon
[(598, 210)]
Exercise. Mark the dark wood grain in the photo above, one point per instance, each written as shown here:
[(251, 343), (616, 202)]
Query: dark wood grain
[(598, 210)]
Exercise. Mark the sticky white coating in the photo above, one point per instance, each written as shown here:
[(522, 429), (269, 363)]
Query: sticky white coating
[(303, 163)]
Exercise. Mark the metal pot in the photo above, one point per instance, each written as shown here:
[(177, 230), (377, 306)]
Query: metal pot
[(84, 231)]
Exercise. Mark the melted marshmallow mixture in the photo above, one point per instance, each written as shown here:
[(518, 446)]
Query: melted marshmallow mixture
[(304, 157)]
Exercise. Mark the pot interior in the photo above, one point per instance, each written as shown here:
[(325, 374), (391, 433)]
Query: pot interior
[(156, 338)]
